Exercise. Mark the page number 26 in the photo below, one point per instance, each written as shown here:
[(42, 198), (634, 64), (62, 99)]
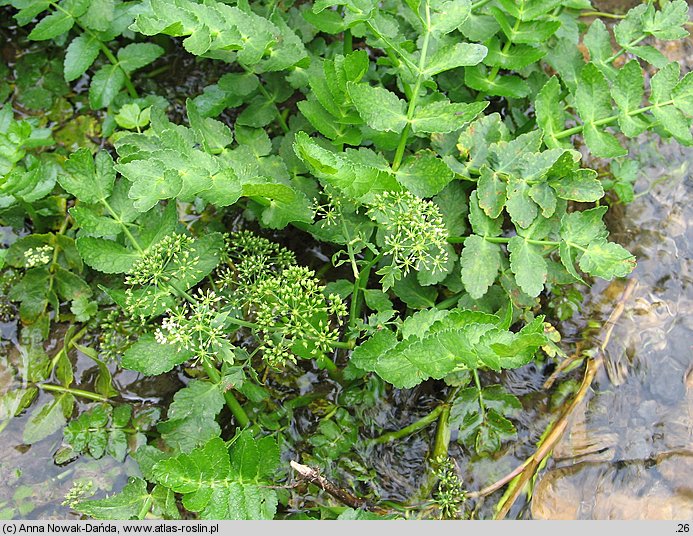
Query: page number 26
[(682, 527)]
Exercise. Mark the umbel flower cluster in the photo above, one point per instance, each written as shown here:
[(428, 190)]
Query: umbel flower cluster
[(154, 275), (250, 259), (258, 287), (293, 315), (198, 326), (412, 232)]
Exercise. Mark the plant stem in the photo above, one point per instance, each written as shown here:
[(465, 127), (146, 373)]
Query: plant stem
[(477, 382), (442, 443), (403, 56), (278, 113), (494, 71), (231, 401), (70, 390), (122, 224), (479, 4), (601, 15), (608, 120), (360, 284), (399, 153), (412, 428), (504, 240), (449, 302), (348, 42)]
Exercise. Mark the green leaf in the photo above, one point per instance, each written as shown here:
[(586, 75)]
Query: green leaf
[(491, 191), (522, 209), (583, 186), (479, 262), (47, 419), (670, 117), (515, 58), (606, 260), (136, 55), (192, 416), (550, 112), (682, 94), (528, 265), (582, 227), (481, 223), (130, 116), (628, 91), (443, 116), (151, 358), (105, 85), (221, 484), (448, 15), (213, 134), (453, 56), (424, 174), (593, 102), (668, 24), (598, 43), (151, 182), (380, 109), (106, 256), (511, 86), (79, 56), (128, 504), (89, 179), (527, 10), (53, 25)]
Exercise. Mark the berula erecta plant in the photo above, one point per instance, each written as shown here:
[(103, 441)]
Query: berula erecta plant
[(435, 155)]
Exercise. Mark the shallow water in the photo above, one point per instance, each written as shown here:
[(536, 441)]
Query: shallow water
[(629, 451)]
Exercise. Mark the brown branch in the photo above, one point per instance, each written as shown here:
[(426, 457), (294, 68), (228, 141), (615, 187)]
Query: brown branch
[(345, 497)]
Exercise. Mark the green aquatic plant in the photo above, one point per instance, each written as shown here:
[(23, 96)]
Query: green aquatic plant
[(364, 197)]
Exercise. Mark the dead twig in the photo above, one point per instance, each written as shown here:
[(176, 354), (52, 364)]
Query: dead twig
[(345, 497)]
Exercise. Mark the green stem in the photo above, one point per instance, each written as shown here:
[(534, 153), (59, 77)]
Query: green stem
[(601, 15), (479, 4), (442, 443), (622, 50), (231, 401), (360, 284), (477, 382), (506, 47), (608, 120), (114, 61), (70, 390), (122, 224), (403, 56), (146, 505), (278, 113), (399, 153), (348, 42), (449, 302), (412, 428)]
